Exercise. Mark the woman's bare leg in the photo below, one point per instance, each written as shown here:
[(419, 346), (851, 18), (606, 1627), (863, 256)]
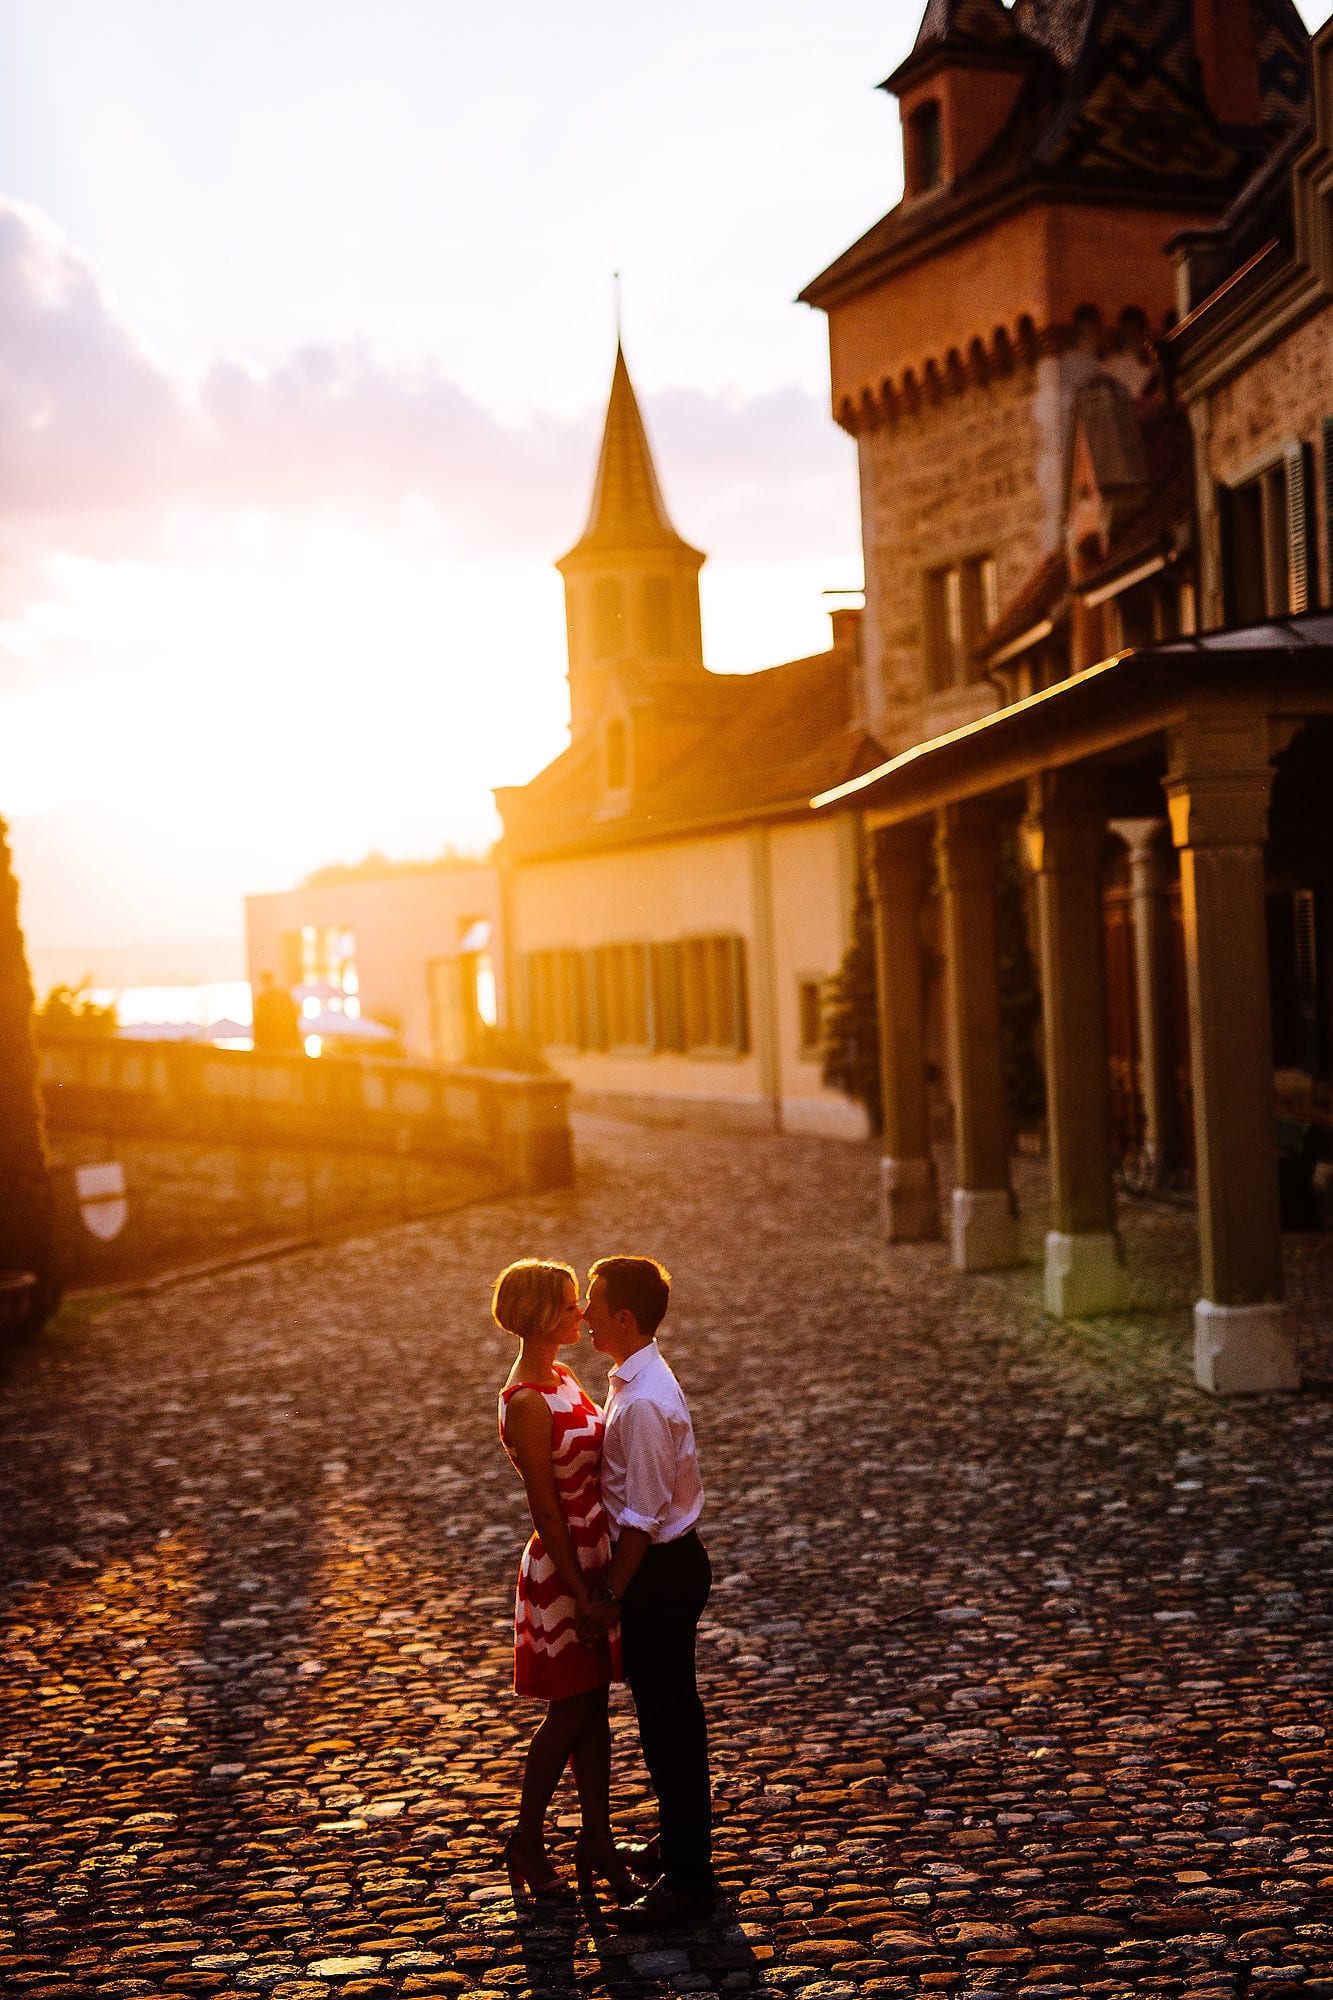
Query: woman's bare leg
[(591, 1758), (549, 1752)]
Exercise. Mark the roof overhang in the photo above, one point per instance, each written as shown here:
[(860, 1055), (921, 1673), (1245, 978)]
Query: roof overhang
[(1108, 713)]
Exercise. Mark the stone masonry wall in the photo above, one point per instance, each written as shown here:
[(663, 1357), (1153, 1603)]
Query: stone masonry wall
[(979, 473)]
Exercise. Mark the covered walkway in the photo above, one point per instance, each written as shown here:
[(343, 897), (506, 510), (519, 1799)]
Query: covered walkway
[(1181, 737)]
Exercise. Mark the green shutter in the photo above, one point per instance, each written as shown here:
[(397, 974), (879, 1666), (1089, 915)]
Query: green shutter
[(668, 1000), (596, 999)]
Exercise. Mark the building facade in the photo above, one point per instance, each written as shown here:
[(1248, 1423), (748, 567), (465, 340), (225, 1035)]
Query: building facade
[(416, 945), (1128, 690), (674, 910)]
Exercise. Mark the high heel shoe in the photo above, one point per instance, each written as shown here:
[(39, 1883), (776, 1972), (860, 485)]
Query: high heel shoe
[(531, 1876), (593, 1858)]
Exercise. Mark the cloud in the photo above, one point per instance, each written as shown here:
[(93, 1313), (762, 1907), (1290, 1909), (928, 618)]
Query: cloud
[(97, 439)]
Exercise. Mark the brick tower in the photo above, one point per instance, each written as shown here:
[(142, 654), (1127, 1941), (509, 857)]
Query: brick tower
[(1051, 151)]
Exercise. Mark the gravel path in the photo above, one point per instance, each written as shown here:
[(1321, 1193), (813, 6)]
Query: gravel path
[(1018, 1661)]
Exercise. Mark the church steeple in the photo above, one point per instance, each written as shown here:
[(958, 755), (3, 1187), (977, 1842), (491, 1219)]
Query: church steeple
[(631, 582), (627, 510)]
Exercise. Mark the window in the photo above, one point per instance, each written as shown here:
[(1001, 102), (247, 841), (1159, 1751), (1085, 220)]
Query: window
[(556, 999), (714, 1003), (623, 989), (659, 625), (683, 996), (1267, 540), (962, 599), (924, 162), (608, 618), (809, 1019), (617, 755)]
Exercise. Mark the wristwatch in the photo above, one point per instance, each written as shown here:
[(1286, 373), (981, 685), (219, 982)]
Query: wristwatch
[(605, 1595)]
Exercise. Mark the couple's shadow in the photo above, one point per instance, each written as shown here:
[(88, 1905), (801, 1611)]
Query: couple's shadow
[(632, 1964)]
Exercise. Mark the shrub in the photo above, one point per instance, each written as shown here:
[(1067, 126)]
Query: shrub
[(71, 1010), (851, 1015)]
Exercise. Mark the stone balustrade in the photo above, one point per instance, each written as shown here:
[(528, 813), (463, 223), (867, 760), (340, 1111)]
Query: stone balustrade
[(516, 1125)]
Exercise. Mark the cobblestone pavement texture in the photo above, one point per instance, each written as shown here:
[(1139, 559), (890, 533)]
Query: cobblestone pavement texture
[(255, 1730)]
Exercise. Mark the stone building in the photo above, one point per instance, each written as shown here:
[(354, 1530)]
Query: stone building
[(1051, 642), (673, 908), (415, 944)]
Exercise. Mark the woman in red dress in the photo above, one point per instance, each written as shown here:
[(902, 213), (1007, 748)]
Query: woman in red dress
[(552, 1431)]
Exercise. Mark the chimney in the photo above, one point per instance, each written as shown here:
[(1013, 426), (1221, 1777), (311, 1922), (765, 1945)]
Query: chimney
[(846, 623), (1226, 38)]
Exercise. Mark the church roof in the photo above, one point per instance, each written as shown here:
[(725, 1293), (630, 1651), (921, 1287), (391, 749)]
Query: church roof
[(782, 735), (628, 513), (1113, 106)]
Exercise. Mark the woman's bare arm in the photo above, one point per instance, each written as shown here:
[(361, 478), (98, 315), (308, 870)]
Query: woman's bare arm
[(528, 1435)]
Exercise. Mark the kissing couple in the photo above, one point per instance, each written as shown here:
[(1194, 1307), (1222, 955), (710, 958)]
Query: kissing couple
[(612, 1583)]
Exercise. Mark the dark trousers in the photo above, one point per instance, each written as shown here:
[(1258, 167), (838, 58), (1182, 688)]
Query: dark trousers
[(659, 1616)]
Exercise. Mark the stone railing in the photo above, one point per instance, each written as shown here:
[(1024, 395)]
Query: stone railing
[(515, 1126)]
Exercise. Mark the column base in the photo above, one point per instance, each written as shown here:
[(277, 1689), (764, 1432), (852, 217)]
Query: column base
[(984, 1234), (1085, 1275), (1244, 1350), (909, 1203)]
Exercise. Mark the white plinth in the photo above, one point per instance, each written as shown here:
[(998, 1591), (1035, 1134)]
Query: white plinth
[(909, 1204), (984, 1234), (1244, 1350), (1085, 1276)]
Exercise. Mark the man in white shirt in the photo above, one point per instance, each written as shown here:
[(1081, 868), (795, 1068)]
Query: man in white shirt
[(660, 1575)]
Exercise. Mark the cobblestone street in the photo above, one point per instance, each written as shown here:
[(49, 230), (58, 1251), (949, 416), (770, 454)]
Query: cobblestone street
[(1018, 1660)]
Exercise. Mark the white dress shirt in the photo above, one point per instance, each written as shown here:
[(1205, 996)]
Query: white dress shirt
[(650, 1468)]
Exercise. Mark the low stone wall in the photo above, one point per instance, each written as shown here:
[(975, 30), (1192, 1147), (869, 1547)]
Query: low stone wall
[(516, 1127), (189, 1202)]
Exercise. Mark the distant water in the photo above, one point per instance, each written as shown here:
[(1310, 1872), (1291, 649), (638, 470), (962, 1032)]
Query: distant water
[(225, 1000)]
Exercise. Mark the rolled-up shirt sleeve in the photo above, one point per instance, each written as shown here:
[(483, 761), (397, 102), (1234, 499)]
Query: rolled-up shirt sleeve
[(648, 1448)]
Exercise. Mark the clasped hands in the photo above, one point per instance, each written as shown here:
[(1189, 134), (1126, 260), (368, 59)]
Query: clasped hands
[(593, 1619)]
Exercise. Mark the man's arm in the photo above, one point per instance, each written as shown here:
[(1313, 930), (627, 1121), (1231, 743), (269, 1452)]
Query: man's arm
[(649, 1449)]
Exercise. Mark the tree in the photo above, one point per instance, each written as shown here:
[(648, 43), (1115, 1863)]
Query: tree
[(27, 1214), (851, 1015), (72, 1010)]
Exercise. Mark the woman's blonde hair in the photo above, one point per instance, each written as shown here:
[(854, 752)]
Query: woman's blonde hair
[(529, 1296)]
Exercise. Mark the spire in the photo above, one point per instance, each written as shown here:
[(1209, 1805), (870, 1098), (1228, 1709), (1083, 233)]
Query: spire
[(627, 512)]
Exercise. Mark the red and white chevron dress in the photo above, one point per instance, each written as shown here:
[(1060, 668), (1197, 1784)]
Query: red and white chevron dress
[(549, 1660)]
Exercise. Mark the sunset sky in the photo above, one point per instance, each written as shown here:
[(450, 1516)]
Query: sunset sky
[(306, 328)]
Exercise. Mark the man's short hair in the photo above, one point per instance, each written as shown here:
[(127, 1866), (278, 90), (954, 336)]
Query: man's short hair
[(635, 1284), (529, 1296)]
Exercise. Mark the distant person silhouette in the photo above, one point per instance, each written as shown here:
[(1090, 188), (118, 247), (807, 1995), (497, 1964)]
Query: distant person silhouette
[(277, 1020)]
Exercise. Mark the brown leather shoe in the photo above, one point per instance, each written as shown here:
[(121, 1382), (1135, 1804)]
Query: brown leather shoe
[(665, 1905)]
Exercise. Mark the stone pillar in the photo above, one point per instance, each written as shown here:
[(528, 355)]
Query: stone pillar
[(984, 1232), (897, 881), (1150, 889), (1217, 789), (1065, 831)]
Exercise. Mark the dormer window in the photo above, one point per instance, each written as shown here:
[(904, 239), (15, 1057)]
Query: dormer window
[(617, 755), (924, 163)]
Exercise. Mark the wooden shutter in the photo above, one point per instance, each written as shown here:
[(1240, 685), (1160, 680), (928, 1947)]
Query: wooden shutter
[(1326, 597), (595, 996), (740, 998), (1226, 550), (1302, 582), (668, 1001)]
